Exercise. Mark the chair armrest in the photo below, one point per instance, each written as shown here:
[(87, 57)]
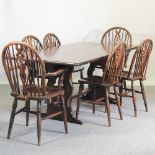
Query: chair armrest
[(77, 69), (131, 48), (56, 73), (99, 67)]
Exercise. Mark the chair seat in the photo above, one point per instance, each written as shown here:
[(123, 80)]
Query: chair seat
[(50, 92), (96, 80), (125, 76), (54, 91)]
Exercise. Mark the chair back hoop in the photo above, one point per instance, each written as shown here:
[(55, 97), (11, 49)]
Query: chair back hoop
[(114, 64), (33, 41), (23, 68), (51, 40), (140, 59), (112, 37)]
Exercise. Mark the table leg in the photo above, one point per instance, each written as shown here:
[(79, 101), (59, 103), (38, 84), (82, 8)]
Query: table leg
[(51, 108), (68, 96)]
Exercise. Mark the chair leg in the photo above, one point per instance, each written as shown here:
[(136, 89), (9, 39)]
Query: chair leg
[(118, 103), (39, 122), (72, 84), (12, 117), (108, 106), (27, 104), (65, 115), (125, 87), (94, 98), (79, 100), (120, 92), (105, 109), (134, 98), (81, 74), (144, 95)]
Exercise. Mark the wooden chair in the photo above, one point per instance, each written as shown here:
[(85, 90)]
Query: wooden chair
[(33, 41), (110, 78), (26, 75), (137, 72), (36, 43), (111, 38), (50, 41)]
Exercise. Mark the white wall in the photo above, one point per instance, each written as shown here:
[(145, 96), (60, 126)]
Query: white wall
[(77, 20)]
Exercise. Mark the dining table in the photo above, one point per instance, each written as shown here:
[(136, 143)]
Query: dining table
[(69, 56)]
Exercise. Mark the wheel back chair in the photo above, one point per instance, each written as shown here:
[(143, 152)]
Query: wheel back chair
[(110, 78), (50, 41), (25, 71), (110, 39), (137, 72), (113, 35), (33, 41), (36, 43)]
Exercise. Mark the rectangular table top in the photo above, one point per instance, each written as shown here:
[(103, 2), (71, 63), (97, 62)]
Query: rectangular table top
[(74, 54)]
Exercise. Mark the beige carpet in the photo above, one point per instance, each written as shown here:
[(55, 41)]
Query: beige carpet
[(131, 136)]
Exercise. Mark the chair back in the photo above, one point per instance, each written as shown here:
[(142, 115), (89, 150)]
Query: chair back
[(140, 59), (33, 41), (23, 68), (51, 40), (112, 37), (114, 64)]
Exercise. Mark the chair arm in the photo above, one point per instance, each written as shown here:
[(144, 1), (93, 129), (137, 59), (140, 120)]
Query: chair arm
[(56, 73), (99, 67), (77, 69)]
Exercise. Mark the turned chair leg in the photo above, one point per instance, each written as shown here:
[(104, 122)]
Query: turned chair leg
[(125, 87), (94, 98), (120, 92), (144, 95), (134, 98), (79, 100), (39, 122), (27, 104), (65, 115), (108, 106), (105, 109), (12, 117), (118, 103)]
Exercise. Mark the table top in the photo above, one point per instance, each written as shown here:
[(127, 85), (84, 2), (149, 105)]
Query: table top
[(74, 54)]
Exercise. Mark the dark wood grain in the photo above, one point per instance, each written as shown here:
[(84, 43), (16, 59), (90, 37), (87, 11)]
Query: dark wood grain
[(74, 54), (70, 55), (110, 78), (137, 72), (25, 71)]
